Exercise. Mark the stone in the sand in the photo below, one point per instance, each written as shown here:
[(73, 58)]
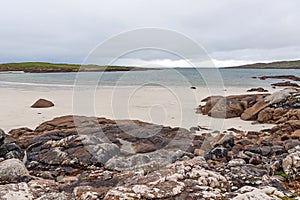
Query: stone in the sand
[(12, 171), (42, 103)]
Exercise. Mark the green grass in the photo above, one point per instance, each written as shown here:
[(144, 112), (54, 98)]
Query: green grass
[(56, 67), (281, 173), (273, 65)]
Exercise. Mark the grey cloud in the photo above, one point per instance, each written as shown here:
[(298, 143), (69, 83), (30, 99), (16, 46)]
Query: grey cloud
[(67, 31)]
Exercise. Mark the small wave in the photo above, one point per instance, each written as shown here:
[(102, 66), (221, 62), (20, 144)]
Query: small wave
[(34, 84)]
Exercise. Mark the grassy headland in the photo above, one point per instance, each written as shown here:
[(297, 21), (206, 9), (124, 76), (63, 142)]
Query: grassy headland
[(273, 65), (44, 67)]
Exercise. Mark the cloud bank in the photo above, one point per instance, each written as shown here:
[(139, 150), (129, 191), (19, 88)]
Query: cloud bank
[(231, 31)]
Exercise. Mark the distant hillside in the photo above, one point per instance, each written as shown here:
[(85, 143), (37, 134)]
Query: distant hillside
[(43, 67), (273, 65)]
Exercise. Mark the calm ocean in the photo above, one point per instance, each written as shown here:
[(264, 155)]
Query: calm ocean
[(168, 77)]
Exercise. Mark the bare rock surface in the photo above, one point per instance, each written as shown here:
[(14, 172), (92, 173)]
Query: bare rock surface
[(279, 107), (77, 157)]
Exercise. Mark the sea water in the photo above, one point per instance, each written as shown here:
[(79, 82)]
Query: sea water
[(203, 77)]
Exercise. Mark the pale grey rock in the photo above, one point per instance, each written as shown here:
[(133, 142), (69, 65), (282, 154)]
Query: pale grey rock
[(278, 96), (12, 171), (19, 191), (171, 181), (291, 165), (147, 161), (55, 195), (252, 193)]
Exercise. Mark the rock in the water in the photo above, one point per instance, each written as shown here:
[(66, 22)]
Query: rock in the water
[(257, 90), (42, 103), (290, 77), (13, 171), (286, 83)]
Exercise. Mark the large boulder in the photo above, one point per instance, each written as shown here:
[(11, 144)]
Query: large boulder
[(42, 103), (228, 107), (13, 171)]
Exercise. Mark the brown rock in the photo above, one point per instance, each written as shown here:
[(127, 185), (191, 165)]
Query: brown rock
[(291, 77), (287, 83), (265, 115), (278, 113), (42, 103), (198, 152), (281, 120), (296, 135), (226, 108), (210, 102), (250, 113)]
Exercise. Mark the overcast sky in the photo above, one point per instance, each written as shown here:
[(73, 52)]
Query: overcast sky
[(231, 31)]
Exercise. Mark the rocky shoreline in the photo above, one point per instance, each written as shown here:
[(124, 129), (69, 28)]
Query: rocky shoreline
[(77, 157)]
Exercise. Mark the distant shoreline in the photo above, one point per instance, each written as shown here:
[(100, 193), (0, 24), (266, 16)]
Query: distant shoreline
[(273, 65), (44, 67)]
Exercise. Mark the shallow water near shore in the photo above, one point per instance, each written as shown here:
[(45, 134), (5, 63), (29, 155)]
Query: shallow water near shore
[(156, 96)]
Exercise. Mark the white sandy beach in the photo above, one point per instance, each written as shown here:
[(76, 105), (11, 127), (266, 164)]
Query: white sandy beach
[(172, 107)]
